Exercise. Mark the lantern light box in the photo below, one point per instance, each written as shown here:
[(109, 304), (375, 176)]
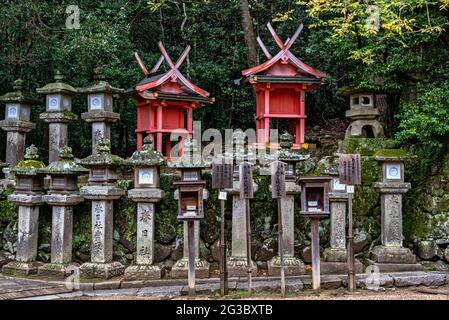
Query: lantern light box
[(315, 195)]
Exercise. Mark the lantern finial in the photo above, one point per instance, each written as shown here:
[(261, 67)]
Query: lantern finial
[(286, 140), (66, 153), (18, 85), (103, 146), (59, 77), (31, 153), (98, 74)]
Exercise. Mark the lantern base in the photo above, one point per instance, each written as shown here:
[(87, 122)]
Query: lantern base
[(181, 267), (17, 268), (238, 267), (143, 272), (393, 259), (92, 270), (57, 269), (332, 267), (292, 266)]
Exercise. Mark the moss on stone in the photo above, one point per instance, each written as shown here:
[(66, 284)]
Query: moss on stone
[(391, 153), (369, 170), (365, 200), (366, 146)]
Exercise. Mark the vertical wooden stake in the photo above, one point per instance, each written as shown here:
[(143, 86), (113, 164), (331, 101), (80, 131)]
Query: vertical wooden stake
[(191, 244), (248, 246), (223, 264), (315, 255), (281, 247), (350, 249)]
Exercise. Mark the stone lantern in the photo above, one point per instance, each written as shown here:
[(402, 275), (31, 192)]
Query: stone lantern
[(28, 197), (190, 194), (58, 113), (17, 122), (146, 193), (102, 191), (390, 256), (293, 265), (100, 112), (63, 195), (237, 263), (363, 114)]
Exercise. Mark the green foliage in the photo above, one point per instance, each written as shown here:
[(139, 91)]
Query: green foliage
[(426, 119)]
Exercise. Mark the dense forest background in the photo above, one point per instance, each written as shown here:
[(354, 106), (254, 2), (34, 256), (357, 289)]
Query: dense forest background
[(398, 47)]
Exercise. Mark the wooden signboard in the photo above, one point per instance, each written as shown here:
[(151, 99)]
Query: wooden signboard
[(278, 180), (222, 176), (246, 181), (349, 169)]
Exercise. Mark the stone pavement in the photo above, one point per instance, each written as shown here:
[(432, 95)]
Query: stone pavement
[(33, 289)]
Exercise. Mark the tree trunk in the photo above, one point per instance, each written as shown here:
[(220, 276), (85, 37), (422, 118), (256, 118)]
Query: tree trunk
[(248, 30)]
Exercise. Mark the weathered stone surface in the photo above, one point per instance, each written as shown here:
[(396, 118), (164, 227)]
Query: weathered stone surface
[(57, 269), (147, 253), (419, 278), (180, 269), (395, 267), (292, 266), (334, 255), (5, 257), (237, 267), (446, 254), (161, 252), (61, 243), (90, 270), (338, 225), (427, 250), (306, 255), (396, 255), (215, 250), (17, 268), (267, 251), (142, 272), (362, 240), (333, 267)]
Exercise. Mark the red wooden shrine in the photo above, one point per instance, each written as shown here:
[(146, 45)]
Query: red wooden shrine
[(280, 84), (165, 101)]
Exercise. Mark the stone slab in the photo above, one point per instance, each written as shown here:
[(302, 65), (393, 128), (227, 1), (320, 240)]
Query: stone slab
[(16, 268), (90, 270), (237, 267), (327, 267), (56, 270), (292, 267), (395, 255), (180, 269), (419, 278), (396, 267), (142, 272)]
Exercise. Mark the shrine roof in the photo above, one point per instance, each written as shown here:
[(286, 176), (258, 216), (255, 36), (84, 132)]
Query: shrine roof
[(154, 80), (284, 56)]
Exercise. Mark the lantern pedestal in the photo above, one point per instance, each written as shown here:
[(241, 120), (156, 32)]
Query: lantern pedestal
[(15, 139), (181, 267), (101, 125), (28, 223), (57, 129), (101, 265), (144, 268), (237, 262), (335, 260), (62, 231), (292, 265)]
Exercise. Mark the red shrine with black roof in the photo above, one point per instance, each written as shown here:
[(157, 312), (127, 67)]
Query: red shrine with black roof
[(165, 101), (280, 84)]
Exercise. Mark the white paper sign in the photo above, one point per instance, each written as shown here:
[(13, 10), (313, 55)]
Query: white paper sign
[(145, 176), (337, 186), (350, 189), (222, 195)]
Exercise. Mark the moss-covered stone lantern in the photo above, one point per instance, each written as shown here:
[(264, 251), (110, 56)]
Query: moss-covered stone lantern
[(62, 195), (28, 197), (190, 194), (102, 191), (146, 193), (58, 113), (100, 108), (17, 122)]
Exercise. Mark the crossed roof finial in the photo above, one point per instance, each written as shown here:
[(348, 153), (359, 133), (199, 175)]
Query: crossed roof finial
[(174, 74)]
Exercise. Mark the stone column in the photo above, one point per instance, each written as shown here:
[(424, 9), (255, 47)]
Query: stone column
[(15, 144), (101, 265), (144, 268), (292, 265), (237, 262), (391, 256), (57, 139), (180, 268), (27, 240)]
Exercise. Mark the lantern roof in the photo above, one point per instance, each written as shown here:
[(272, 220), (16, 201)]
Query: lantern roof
[(58, 86), (103, 157), (147, 156), (31, 165), (17, 96), (305, 73), (155, 79), (66, 164), (100, 85)]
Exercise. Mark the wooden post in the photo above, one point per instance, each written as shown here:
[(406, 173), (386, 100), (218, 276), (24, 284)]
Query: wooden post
[(248, 246), (159, 128), (281, 247), (223, 264), (314, 222), (350, 248), (191, 244)]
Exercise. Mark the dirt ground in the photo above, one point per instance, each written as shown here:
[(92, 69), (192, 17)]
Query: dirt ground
[(411, 293)]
